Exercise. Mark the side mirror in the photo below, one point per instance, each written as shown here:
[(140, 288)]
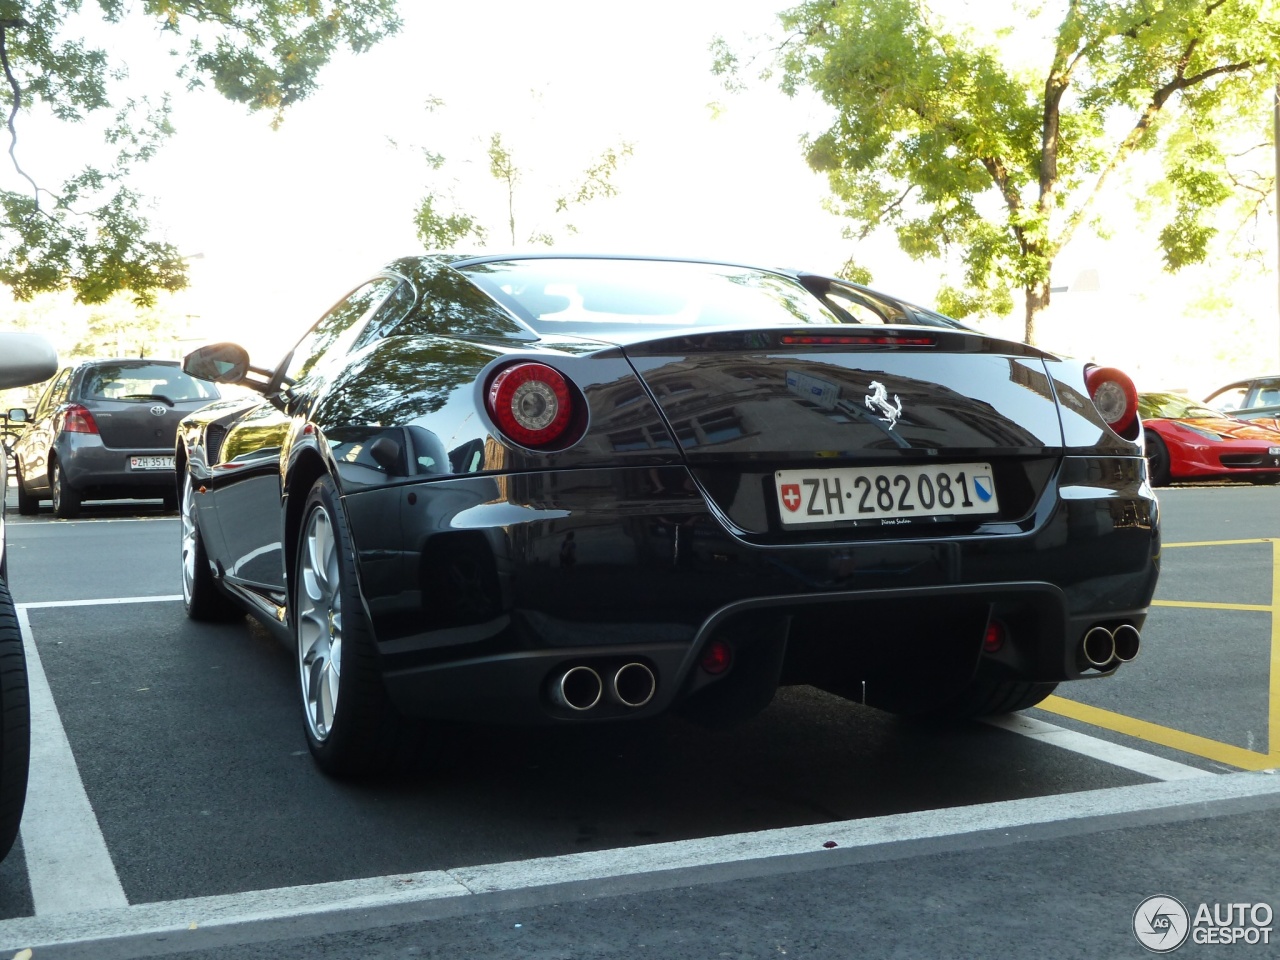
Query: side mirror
[(17, 415), (218, 362)]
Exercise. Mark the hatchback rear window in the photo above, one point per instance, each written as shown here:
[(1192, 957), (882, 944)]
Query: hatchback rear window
[(144, 381)]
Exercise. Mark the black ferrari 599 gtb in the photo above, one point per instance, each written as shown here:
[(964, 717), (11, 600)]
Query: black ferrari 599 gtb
[(595, 489)]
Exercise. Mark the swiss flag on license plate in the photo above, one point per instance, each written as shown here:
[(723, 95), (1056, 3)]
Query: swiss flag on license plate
[(791, 496)]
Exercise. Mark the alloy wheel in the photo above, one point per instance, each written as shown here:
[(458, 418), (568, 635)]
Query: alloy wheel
[(319, 618), (188, 540)]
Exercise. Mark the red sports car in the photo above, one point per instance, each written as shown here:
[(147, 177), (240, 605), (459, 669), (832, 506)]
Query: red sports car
[(1186, 440)]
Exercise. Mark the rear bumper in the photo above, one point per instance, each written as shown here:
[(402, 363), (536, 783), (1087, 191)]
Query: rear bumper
[(486, 589), (95, 470)]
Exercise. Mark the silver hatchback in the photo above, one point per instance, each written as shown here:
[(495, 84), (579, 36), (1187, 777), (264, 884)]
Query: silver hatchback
[(105, 429)]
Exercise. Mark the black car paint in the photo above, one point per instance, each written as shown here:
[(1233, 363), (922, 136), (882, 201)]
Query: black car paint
[(460, 534)]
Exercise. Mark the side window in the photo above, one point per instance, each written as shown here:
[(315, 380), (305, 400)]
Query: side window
[(1228, 400), (384, 319), (337, 328), (54, 394), (1267, 394)]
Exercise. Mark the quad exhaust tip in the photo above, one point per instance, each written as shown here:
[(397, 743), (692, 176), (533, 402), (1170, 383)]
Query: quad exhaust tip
[(1103, 647), (633, 685), (578, 688), (1128, 642)]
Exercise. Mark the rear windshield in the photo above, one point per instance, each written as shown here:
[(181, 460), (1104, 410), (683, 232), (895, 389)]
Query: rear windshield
[(581, 295), (143, 381)]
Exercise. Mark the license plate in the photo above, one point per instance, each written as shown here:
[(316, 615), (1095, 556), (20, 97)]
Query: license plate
[(151, 463), (896, 494)]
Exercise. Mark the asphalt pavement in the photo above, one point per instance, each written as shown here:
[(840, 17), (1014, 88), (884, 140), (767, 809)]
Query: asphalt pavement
[(820, 829)]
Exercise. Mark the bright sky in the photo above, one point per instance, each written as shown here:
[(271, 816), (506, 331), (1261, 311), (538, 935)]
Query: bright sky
[(288, 220)]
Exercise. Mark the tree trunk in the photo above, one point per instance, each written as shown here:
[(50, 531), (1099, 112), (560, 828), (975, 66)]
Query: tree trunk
[(1037, 297)]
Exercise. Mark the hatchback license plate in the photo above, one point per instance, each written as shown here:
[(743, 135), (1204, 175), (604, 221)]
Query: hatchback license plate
[(151, 463), (885, 493)]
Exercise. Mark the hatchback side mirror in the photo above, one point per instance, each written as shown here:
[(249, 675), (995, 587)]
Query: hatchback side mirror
[(17, 415), (218, 362)]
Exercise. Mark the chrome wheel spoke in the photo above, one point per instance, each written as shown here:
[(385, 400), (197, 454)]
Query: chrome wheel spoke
[(319, 623), (188, 541)]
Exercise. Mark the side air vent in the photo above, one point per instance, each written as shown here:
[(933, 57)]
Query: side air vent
[(214, 434)]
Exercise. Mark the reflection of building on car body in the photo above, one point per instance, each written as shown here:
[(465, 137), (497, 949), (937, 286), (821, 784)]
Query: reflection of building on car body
[(767, 477), (104, 429)]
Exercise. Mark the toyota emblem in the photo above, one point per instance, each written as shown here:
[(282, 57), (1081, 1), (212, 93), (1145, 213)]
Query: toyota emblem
[(159, 410)]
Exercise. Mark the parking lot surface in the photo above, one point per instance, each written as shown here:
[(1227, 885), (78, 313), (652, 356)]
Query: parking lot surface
[(175, 808)]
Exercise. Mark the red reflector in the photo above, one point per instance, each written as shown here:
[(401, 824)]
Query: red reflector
[(993, 640), (717, 657), (531, 403), (77, 419)]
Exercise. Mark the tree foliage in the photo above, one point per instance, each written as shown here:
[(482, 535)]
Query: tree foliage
[(90, 233), (999, 149), (443, 224)]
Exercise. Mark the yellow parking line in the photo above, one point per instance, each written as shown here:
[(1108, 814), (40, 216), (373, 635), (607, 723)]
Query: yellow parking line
[(1206, 605), (1273, 730), (1188, 742), (1165, 736)]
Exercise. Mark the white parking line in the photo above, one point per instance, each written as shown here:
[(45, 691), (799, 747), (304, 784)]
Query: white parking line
[(174, 918), (47, 604), (1146, 764), (68, 865)]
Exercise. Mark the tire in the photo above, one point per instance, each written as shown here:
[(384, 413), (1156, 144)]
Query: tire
[(1157, 460), (66, 498), (27, 504), (15, 723), (201, 596), (351, 727)]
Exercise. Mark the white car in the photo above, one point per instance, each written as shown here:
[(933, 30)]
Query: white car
[(25, 358)]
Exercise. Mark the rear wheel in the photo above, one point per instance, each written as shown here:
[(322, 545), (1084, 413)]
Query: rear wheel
[(27, 504), (15, 723), (66, 498), (350, 725), (200, 594), (1157, 460)]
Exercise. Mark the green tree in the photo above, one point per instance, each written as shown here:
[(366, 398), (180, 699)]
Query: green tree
[(1000, 150), (442, 223), (90, 233)]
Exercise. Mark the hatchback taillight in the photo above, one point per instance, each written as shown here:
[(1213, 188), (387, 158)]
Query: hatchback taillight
[(531, 403), (1116, 398), (77, 419)]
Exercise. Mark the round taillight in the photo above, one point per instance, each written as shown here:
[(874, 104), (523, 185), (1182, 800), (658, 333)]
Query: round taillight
[(531, 403), (1115, 396)]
